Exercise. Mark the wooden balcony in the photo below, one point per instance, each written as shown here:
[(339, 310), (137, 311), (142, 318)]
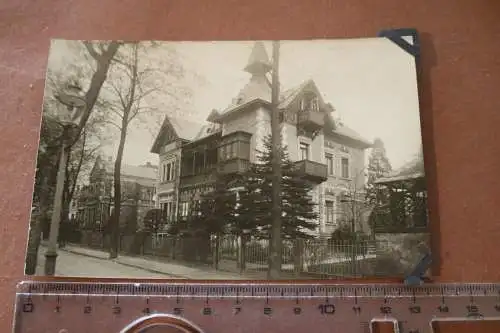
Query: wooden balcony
[(233, 166), (311, 120), (314, 171), (195, 179)]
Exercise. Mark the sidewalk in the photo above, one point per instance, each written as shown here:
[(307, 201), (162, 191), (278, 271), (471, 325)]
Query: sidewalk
[(154, 266)]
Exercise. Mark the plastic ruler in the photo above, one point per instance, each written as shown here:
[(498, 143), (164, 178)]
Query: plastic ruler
[(190, 306)]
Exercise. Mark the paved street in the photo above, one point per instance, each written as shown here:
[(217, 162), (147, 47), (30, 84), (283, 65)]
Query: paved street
[(76, 261), (75, 265)]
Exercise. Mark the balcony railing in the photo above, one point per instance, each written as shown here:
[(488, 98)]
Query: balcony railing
[(236, 165), (314, 171), (311, 120), (201, 178)]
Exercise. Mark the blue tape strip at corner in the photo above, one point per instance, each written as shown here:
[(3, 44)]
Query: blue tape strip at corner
[(396, 36), (417, 275)]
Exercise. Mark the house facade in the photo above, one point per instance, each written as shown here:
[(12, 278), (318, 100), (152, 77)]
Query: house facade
[(95, 200), (328, 153)]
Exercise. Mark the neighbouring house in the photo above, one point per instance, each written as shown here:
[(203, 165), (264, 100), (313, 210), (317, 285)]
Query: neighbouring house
[(328, 153), (95, 200), (402, 225), (406, 209)]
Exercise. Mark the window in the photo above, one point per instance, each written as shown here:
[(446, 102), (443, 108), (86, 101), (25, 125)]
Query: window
[(164, 209), (199, 162), (168, 171), (329, 212), (211, 157), (222, 153), (167, 209), (314, 104), (309, 102), (229, 151), (344, 162), (339, 205), (329, 163), (184, 209), (304, 151)]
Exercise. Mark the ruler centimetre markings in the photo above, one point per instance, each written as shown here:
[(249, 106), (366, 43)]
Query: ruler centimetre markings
[(357, 307)]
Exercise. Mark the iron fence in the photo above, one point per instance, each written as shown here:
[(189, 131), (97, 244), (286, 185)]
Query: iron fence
[(300, 257)]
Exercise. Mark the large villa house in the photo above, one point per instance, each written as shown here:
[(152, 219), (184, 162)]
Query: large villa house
[(94, 202), (328, 153)]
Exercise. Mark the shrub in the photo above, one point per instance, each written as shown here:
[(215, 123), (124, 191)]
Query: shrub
[(344, 240)]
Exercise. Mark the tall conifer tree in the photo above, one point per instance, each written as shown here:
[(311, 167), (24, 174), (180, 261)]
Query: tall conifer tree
[(298, 209)]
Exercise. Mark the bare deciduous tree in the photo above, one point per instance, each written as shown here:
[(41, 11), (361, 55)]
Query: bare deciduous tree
[(102, 57), (137, 91)]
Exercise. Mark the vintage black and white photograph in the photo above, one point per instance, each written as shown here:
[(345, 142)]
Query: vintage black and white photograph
[(245, 160)]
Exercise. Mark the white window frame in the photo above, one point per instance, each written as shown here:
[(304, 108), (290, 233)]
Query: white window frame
[(341, 173), (168, 171), (330, 156), (315, 103), (332, 213), (308, 150), (184, 208)]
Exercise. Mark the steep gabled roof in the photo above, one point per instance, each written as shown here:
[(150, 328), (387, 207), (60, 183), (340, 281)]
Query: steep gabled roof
[(289, 96), (183, 129), (336, 128), (413, 169), (349, 133)]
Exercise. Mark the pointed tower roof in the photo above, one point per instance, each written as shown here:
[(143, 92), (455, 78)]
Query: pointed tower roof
[(258, 63)]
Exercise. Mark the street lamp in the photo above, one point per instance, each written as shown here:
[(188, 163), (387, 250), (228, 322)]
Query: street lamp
[(72, 97)]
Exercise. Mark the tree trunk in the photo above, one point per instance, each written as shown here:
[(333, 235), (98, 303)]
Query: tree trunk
[(275, 244), (63, 227), (35, 231), (216, 254), (117, 199), (298, 253), (243, 254), (103, 61)]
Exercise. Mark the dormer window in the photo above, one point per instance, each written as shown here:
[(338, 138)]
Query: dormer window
[(310, 102), (314, 104)]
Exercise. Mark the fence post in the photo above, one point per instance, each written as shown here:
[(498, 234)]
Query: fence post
[(242, 252), (298, 256)]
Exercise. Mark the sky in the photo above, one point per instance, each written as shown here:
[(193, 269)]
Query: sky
[(370, 82)]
